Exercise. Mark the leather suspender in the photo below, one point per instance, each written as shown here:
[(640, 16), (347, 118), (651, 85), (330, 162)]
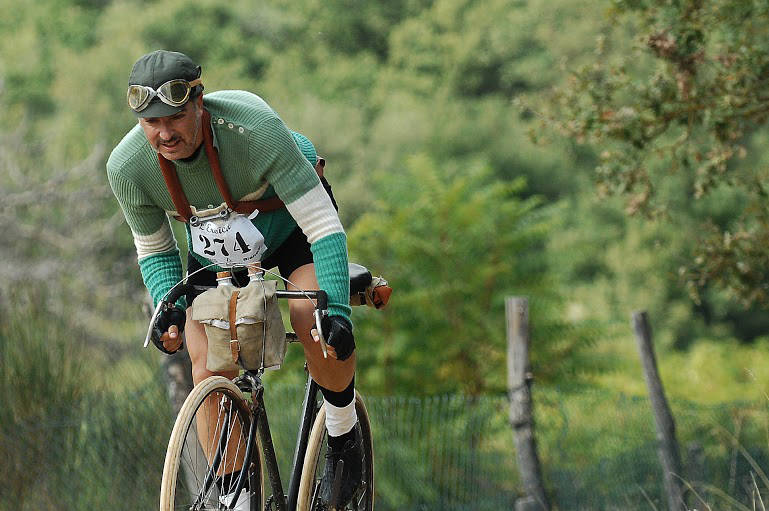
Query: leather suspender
[(179, 199)]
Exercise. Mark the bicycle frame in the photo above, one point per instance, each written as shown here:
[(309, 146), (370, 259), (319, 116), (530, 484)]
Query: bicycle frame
[(250, 381)]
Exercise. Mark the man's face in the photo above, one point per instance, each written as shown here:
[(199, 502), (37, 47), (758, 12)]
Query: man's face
[(176, 136)]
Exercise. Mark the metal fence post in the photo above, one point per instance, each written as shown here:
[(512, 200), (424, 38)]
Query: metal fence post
[(667, 445), (519, 379)]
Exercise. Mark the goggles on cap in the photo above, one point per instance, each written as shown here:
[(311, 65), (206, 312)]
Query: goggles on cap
[(173, 93)]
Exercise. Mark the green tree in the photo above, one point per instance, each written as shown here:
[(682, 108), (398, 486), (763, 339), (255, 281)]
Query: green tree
[(685, 98), (453, 242)]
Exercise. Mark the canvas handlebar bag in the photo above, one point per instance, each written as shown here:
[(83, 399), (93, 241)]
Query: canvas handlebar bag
[(243, 325)]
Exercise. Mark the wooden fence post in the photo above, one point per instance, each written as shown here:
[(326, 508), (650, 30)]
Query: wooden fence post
[(519, 379), (667, 446)]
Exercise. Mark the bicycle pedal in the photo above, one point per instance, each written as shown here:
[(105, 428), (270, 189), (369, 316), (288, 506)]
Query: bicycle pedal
[(337, 485)]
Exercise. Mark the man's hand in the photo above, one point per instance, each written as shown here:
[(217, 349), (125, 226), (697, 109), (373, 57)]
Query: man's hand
[(172, 340), (166, 334), (339, 338)]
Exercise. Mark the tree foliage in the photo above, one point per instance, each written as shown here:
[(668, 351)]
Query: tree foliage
[(346, 77), (412, 104), (453, 248), (687, 99)]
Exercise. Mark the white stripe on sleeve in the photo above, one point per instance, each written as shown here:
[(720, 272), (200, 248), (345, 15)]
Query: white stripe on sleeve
[(315, 214), (159, 241)]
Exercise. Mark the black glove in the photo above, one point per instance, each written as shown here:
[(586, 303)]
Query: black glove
[(172, 315), (338, 333)]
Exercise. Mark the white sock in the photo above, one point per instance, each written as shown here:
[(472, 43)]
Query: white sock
[(340, 420)]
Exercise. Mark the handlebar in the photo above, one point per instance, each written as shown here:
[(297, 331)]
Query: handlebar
[(320, 297), (364, 290), (176, 293)]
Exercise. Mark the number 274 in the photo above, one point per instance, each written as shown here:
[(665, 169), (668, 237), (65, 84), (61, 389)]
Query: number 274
[(239, 245)]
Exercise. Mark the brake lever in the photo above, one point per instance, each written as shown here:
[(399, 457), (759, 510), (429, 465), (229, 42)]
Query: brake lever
[(319, 331), (154, 317)]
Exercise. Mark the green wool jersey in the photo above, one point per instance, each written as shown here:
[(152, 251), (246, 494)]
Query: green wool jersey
[(259, 158)]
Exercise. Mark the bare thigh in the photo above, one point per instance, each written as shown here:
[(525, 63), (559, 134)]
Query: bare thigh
[(329, 373)]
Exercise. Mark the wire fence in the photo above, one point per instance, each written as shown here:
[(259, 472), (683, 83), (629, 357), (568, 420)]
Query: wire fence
[(450, 452)]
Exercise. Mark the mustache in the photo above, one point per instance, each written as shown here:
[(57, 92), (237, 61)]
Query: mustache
[(169, 141)]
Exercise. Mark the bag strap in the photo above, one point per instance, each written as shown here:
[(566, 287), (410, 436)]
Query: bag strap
[(182, 205), (234, 343)]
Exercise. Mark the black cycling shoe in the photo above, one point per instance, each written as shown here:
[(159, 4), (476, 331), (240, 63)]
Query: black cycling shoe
[(352, 473)]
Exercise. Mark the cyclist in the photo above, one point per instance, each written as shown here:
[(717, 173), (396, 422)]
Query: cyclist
[(191, 156)]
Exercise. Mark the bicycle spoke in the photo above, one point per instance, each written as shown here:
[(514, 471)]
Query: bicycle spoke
[(215, 463), (189, 465), (225, 445), (229, 466)]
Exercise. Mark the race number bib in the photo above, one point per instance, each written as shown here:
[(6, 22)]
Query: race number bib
[(227, 239)]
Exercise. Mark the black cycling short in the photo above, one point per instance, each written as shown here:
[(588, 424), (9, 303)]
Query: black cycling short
[(290, 255)]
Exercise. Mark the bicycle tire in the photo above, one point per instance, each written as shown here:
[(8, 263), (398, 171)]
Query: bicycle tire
[(184, 484), (312, 469)]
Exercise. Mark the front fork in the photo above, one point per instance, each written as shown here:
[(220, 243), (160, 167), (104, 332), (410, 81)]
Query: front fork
[(309, 411)]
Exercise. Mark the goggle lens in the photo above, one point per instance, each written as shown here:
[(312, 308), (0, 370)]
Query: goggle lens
[(176, 92), (173, 93), (138, 96)]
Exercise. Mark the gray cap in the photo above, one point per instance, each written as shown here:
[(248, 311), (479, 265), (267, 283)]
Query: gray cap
[(156, 68)]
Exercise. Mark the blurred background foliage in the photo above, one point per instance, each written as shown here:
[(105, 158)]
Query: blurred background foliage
[(598, 157)]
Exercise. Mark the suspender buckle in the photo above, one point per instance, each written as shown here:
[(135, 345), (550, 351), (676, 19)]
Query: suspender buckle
[(224, 214)]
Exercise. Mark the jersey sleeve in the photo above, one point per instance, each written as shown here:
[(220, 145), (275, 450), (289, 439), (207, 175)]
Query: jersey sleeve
[(306, 147), (297, 184), (156, 248)]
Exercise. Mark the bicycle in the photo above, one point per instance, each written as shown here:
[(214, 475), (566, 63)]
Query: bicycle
[(195, 476)]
